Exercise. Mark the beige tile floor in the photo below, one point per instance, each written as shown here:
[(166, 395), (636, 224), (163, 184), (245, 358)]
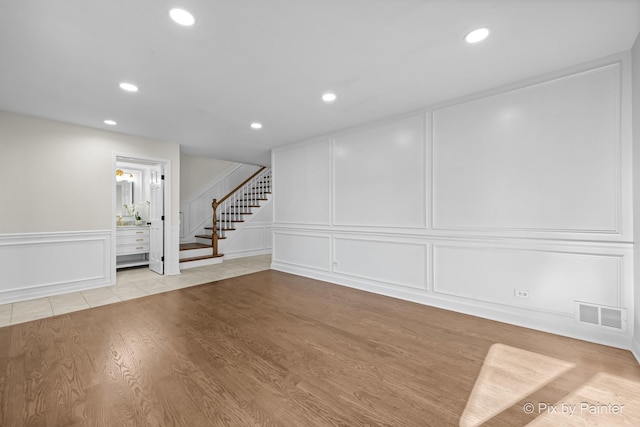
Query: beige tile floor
[(131, 283)]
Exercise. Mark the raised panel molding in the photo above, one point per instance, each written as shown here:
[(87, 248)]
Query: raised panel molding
[(544, 158), (302, 183), (554, 278), (252, 241), (302, 250), (42, 264), (390, 262), (379, 177)]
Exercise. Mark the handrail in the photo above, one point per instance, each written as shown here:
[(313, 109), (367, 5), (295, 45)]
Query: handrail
[(234, 211), (242, 185)]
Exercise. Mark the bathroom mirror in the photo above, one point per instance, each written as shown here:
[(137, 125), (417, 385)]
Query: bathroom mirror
[(129, 192), (124, 196)]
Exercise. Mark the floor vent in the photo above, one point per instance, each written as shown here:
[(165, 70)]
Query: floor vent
[(602, 316)]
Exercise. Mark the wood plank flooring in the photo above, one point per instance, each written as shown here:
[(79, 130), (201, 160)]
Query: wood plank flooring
[(274, 349)]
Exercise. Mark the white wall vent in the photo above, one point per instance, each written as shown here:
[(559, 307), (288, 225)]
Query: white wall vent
[(603, 316)]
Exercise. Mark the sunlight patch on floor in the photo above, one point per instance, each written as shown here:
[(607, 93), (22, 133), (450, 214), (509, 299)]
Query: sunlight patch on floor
[(507, 376)]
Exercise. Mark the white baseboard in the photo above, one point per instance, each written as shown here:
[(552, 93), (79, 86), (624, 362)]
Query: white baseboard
[(35, 265), (555, 324), (244, 254)]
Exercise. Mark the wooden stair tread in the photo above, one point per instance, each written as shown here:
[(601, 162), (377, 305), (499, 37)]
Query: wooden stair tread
[(208, 236), (198, 258), (192, 246)]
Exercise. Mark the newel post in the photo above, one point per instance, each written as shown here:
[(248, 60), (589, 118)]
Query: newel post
[(214, 236)]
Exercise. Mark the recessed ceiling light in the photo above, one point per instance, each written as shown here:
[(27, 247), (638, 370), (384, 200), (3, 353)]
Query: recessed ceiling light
[(110, 122), (182, 17), (477, 35), (129, 87), (329, 97), (256, 125)]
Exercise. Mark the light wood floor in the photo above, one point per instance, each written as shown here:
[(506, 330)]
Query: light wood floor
[(271, 348)]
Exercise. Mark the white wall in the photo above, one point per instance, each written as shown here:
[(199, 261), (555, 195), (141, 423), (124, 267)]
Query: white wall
[(199, 173), (57, 199), (526, 187), (636, 189)]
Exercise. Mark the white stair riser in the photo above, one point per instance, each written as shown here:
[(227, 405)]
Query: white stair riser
[(204, 241), (192, 253), (200, 263)]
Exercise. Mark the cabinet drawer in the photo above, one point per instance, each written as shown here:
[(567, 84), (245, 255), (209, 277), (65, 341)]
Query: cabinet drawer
[(133, 231), (132, 248), (132, 240)]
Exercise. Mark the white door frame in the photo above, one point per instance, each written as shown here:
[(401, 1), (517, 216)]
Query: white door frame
[(168, 241)]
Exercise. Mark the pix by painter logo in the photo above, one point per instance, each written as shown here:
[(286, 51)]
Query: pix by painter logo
[(570, 409)]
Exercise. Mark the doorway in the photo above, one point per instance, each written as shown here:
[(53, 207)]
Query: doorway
[(140, 207)]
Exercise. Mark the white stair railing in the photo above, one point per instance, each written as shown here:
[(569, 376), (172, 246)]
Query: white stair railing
[(231, 208)]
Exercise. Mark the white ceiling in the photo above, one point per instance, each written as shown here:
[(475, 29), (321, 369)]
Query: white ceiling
[(270, 61)]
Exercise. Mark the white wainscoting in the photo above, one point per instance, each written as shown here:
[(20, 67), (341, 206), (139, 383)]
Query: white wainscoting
[(554, 278), (302, 250), (41, 264), (255, 239), (542, 158), (252, 237), (395, 263)]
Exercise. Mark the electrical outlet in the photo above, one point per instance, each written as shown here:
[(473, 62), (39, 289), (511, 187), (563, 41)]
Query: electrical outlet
[(520, 293)]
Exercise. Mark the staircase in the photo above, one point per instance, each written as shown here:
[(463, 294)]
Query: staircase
[(229, 216)]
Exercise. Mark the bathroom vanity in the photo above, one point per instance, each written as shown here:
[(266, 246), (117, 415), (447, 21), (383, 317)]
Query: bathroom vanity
[(132, 246)]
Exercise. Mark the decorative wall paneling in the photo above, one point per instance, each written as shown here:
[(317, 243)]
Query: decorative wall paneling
[(306, 250), (379, 175), (255, 239), (36, 265), (252, 237), (554, 276), (395, 263), (303, 169), (523, 188), (543, 158)]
